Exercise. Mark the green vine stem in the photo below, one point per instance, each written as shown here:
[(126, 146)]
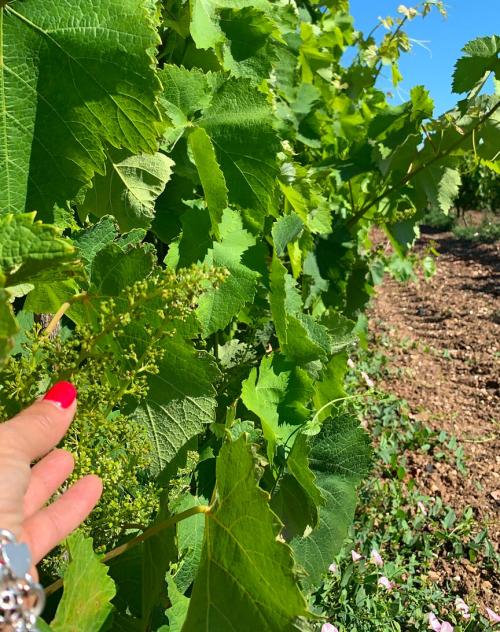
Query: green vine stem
[(157, 528), (366, 207)]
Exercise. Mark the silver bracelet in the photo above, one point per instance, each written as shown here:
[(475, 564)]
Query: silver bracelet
[(21, 599)]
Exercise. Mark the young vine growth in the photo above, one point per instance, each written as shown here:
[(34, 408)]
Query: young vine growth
[(187, 190)]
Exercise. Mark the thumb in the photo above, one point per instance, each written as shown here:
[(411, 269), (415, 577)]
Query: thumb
[(37, 429)]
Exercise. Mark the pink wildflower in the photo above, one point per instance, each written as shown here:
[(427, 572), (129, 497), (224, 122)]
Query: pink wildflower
[(333, 568), (434, 622), (462, 608), (439, 626), (376, 558), (356, 556), (328, 627), (386, 583), (492, 616)]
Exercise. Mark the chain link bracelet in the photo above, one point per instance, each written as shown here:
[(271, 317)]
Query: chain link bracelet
[(21, 599)]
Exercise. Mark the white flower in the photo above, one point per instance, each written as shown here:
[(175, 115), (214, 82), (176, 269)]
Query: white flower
[(368, 381), (333, 568)]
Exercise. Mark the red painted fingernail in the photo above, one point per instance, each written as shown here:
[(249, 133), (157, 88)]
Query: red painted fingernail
[(62, 393)]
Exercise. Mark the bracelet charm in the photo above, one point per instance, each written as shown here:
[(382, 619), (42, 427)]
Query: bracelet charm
[(21, 599)]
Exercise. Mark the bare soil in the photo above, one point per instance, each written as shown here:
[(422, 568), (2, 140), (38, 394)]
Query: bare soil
[(444, 336)]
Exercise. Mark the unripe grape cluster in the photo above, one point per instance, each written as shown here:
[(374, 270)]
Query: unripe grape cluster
[(109, 360)]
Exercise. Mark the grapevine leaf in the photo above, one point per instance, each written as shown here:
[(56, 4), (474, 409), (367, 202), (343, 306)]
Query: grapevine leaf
[(298, 464), (481, 56), (218, 306), (339, 458), (277, 393), (331, 386), (205, 29), (245, 580), (90, 81), (27, 248), (186, 92), (211, 176), (158, 552), (240, 125), (248, 51), (113, 270), (441, 185), (48, 297), (85, 604), (294, 508), (298, 499), (340, 330), (196, 241), (189, 542), (178, 610), (285, 230), (180, 401), (128, 189), (301, 338), (93, 239)]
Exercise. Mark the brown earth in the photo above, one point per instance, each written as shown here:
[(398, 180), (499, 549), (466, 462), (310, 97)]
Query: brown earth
[(444, 338)]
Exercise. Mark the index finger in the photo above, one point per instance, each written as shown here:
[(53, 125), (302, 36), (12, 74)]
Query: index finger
[(37, 429)]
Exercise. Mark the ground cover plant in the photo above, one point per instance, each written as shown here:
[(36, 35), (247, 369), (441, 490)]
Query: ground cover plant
[(384, 578), (186, 197)]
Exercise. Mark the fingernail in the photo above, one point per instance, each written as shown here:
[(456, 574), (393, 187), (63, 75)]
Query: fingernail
[(63, 394)]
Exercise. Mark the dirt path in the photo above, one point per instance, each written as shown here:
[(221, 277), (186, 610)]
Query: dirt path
[(444, 338)]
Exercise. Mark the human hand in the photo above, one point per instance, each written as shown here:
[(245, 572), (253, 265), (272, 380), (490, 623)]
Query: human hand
[(25, 490)]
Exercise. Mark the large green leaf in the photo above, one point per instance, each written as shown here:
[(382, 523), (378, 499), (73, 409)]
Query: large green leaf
[(211, 176), (180, 401), (481, 56), (185, 93), (85, 604), (27, 248), (301, 337), (189, 542), (298, 499), (249, 50), (240, 125), (205, 29), (246, 579), (74, 76), (239, 122), (179, 607), (218, 306), (441, 185), (129, 188), (339, 458), (278, 393), (285, 230), (158, 552)]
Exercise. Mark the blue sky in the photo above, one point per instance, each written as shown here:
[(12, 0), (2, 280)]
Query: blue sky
[(467, 19)]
